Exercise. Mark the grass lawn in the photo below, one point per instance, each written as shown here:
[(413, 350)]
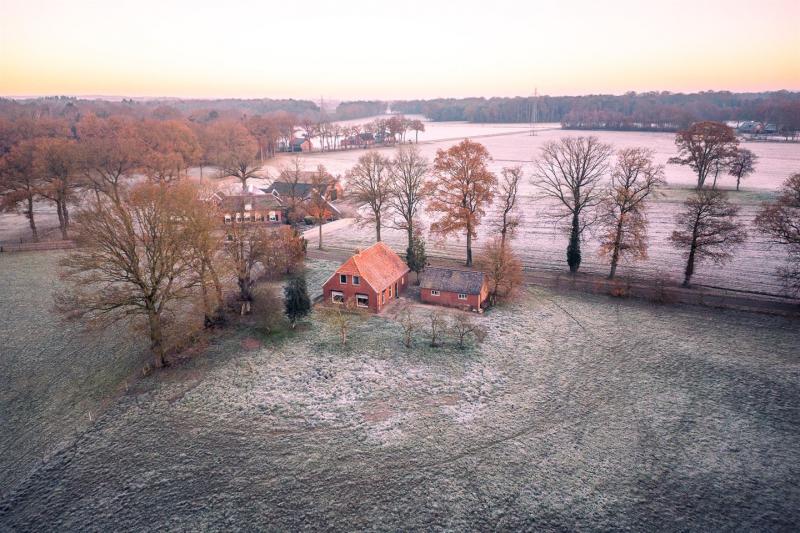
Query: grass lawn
[(578, 412)]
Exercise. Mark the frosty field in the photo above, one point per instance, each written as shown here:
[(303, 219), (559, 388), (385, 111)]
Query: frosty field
[(542, 243), (578, 412)]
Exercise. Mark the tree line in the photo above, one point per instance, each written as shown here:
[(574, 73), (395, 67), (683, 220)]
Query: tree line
[(588, 184), (652, 111)]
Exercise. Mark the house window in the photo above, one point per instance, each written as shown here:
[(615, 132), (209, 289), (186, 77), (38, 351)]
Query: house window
[(343, 279), (273, 216), (356, 280), (390, 292), (434, 292), (260, 217), (227, 219), (337, 297), (362, 300), (247, 217), (248, 207), (238, 217), (383, 297), (462, 296)]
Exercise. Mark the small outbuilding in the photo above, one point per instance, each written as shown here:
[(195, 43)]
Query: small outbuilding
[(372, 278), (464, 289)]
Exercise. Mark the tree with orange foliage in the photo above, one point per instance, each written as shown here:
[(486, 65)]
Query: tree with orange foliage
[(704, 146), (780, 222), (111, 151), (236, 151), (57, 164), (503, 270), (623, 219), (170, 148), (462, 189), (18, 182)]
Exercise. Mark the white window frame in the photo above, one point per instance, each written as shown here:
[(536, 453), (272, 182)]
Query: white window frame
[(356, 279), (342, 279), (273, 216), (228, 219), (334, 295), (248, 207), (434, 292), (462, 296), (359, 297)]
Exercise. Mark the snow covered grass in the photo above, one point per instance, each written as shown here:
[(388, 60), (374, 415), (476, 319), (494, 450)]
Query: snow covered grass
[(578, 412)]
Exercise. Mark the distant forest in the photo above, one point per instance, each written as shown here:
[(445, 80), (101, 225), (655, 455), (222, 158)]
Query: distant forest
[(662, 111)]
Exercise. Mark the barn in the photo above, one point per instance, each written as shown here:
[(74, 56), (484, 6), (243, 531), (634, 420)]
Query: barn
[(372, 278), (464, 289)]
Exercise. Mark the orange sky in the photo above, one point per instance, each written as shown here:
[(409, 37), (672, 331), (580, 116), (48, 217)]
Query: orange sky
[(387, 50)]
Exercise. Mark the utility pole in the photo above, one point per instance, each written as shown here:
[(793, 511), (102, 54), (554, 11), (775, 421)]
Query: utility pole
[(533, 111)]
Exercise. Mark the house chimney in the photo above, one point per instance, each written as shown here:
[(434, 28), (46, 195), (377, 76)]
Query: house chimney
[(357, 251)]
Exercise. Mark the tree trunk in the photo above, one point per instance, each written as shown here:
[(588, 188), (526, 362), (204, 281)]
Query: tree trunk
[(615, 253), (690, 265), (156, 340), (378, 229), (319, 246), (410, 235), (31, 221), (217, 291), (738, 179), (61, 222), (574, 247), (469, 247)]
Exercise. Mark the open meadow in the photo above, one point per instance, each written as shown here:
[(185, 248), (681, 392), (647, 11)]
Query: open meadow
[(577, 412)]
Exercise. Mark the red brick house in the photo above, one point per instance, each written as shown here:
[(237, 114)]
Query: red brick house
[(464, 289), (372, 278)]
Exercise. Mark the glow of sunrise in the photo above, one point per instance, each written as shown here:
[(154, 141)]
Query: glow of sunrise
[(399, 50)]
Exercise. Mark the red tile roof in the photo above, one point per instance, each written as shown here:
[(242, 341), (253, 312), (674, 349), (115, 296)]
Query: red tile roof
[(378, 265)]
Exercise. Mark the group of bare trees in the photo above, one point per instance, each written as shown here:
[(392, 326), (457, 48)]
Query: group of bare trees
[(152, 252), (457, 189)]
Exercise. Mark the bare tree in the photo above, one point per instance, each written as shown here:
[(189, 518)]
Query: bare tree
[(292, 175), (370, 188), (742, 164), (204, 245), (707, 229), (462, 190), (569, 171), (508, 189), (408, 172), (131, 261), (436, 327), (622, 216), (317, 204), (410, 324), (780, 222), (464, 328), (342, 317), (703, 147), (245, 247)]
